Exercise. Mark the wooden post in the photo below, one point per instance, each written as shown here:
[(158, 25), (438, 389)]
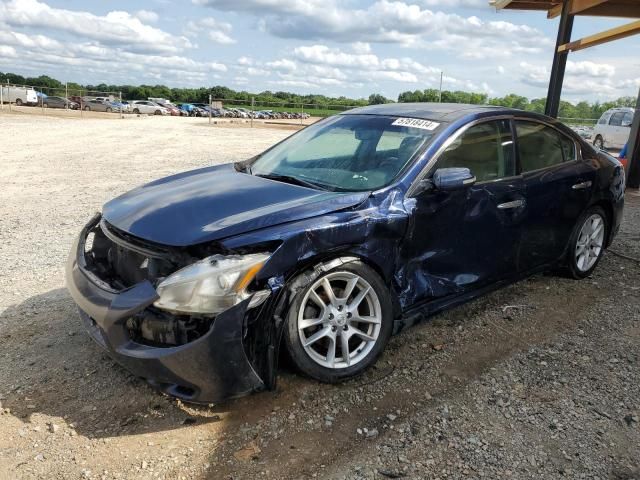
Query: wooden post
[(559, 62)]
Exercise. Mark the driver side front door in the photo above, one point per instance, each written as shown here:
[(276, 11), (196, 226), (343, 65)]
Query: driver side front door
[(468, 238)]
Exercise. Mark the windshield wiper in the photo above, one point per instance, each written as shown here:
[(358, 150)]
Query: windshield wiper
[(291, 179)]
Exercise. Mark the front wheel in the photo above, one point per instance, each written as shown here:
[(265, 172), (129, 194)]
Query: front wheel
[(109, 110), (339, 324), (158, 112), (18, 102), (587, 243), (87, 109)]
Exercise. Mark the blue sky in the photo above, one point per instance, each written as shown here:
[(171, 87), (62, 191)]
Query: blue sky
[(333, 47)]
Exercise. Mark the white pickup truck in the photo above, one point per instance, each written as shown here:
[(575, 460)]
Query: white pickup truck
[(19, 95)]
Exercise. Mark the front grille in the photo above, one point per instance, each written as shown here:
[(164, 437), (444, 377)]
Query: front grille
[(122, 263)]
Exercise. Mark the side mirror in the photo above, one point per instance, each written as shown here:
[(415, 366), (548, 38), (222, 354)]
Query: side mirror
[(448, 179), (626, 124)]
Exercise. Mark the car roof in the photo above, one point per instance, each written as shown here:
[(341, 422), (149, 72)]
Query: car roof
[(620, 109), (429, 111)]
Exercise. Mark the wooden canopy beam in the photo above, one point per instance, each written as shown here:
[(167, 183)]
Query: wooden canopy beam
[(617, 33), (577, 7)]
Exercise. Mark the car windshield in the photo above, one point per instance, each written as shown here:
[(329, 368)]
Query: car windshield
[(347, 152)]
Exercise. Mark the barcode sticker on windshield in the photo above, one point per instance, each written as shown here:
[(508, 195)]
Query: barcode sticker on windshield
[(416, 123)]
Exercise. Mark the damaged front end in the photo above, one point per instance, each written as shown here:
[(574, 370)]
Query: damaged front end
[(118, 283)]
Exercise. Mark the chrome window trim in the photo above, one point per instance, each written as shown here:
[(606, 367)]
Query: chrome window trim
[(426, 170), (452, 138)]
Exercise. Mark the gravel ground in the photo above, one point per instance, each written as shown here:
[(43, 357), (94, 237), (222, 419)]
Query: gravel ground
[(537, 380)]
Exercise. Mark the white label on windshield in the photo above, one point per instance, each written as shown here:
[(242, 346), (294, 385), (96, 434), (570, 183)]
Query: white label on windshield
[(416, 123)]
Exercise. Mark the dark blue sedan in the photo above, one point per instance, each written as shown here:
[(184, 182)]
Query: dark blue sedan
[(335, 239)]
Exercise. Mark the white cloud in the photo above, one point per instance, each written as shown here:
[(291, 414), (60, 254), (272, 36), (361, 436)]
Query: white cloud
[(147, 16), (40, 53), (321, 66), (584, 78), (361, 47), (387, 21), (216, 31), (115, 28), (455, 3)]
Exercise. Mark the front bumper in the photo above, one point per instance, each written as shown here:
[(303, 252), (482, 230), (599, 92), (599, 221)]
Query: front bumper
[(210, 369)]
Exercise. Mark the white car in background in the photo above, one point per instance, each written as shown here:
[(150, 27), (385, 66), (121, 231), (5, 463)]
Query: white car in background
[(613, 128), (148, 107)]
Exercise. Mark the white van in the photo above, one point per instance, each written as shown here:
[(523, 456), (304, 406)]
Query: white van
[(19, 95), (613, 128)]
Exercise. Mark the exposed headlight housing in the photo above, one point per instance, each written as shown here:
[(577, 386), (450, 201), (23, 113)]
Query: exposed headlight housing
[(212, 285)]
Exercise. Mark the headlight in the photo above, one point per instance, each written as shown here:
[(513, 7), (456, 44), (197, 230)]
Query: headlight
[(212, 285)]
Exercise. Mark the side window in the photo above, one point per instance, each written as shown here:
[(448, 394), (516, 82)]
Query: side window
[(604, 119), (540, 146), (486, 149), (627, 120), (568, 149), (616, 119)]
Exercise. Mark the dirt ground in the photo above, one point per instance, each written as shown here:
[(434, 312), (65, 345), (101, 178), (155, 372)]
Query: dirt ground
[(537, 380)]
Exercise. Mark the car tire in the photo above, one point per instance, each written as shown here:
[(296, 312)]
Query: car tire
[(87, 109), (45, 105), (157, 112), (587, 243), (335, 325), (108, 110), (18, 102), (598, 142), (136, 111)]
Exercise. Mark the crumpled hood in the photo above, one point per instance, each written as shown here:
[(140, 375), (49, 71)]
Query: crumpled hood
[(216, 202)]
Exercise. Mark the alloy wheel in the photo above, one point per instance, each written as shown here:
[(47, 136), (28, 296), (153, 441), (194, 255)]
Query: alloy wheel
[(339, 320), (590, 242)]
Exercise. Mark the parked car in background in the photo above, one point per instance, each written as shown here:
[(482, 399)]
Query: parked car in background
[(334, 239), (148, 107), (59, 102), (584, 132), (100, 106), (613, 128), (19, 95), (192, 111), (173, 110)]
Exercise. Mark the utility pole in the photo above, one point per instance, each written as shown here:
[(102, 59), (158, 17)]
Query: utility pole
[(253, 107), (440, 97)]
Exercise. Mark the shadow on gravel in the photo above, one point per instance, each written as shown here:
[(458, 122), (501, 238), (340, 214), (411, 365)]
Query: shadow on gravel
[(50, 366)]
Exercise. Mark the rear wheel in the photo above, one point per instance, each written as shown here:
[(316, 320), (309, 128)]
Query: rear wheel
[(136, 111), (598, 142), (157, 112), (87, 109), (339, 324), (108, 110), (587, 243), (18, 102)]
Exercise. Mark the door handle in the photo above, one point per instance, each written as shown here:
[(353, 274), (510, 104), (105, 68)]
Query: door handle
[(510, 205), (582, 185)]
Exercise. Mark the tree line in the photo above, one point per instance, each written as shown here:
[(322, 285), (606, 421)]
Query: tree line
[(581, 110)]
